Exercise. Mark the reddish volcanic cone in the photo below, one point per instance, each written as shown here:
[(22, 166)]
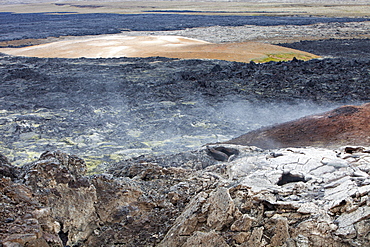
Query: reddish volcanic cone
[(346, 125)]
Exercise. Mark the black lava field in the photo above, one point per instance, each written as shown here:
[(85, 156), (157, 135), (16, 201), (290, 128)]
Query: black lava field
[(108, 109), (42, 25)]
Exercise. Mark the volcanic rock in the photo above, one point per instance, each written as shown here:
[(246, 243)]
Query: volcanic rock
[(6, 169), (191, 199), (105, 110), (346, 125)]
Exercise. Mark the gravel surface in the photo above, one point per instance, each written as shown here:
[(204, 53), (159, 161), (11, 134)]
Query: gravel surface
[(272, 34)]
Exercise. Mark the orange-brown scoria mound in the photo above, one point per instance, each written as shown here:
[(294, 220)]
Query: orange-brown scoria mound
[(346, 125)]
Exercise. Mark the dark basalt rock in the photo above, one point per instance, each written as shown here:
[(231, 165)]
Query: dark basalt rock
[(349, 48), (13, 24), (222, 153), (6, 169)]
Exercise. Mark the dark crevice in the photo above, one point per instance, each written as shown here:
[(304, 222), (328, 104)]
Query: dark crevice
[(289, 178), (268, 206), (63, 236)]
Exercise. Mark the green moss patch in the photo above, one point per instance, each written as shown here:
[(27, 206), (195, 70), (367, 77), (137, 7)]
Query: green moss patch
[(283, 57)]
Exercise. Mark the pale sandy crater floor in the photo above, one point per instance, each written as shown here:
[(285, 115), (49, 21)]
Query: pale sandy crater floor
[(106, 46)]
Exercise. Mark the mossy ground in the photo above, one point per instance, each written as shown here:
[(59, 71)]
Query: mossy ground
[(282, 57)]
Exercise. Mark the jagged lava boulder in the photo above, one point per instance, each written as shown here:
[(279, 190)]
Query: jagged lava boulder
[(281, 197)]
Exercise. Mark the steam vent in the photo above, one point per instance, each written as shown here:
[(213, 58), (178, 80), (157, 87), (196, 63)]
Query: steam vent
[(184, 123), (341, 126)]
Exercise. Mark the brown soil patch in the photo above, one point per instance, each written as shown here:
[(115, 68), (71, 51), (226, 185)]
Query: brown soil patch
[(106, 46), (29, 42), (346, 125)]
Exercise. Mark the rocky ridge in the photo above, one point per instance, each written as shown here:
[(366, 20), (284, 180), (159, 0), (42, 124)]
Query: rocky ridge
[(280, 197)]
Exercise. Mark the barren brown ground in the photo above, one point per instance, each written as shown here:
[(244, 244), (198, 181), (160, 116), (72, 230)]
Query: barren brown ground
[(338, 8), (346, 125), (150, 46)]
